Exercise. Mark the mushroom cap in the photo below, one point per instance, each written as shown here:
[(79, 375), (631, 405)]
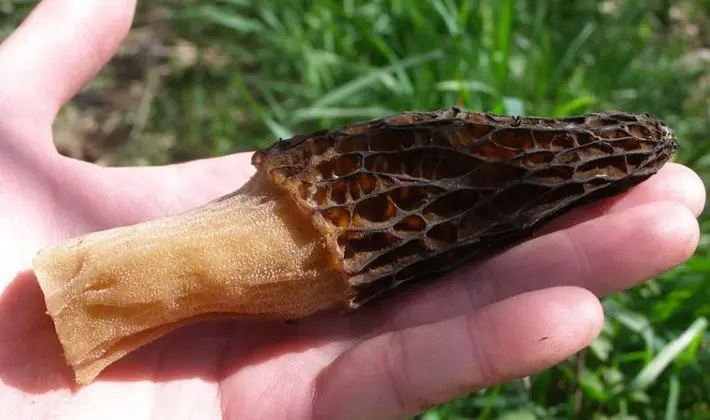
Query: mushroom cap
[(417, 194)]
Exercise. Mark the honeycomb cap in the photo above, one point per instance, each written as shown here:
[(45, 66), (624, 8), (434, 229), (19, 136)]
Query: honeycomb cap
[(417, 194)]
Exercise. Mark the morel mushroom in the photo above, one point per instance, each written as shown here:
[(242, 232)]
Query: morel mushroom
[(333, 219)]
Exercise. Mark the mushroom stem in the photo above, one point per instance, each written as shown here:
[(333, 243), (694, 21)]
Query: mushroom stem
[(251, 253)]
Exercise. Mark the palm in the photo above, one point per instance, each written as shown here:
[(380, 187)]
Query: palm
[(516, 314)]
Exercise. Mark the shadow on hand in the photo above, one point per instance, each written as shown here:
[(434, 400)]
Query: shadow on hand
[(31, 356), (30, 353)]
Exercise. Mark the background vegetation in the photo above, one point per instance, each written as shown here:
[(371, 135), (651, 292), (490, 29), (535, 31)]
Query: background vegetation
[(209, 77)]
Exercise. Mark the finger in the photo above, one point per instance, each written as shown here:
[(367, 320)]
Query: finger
[(56, 50), (674, 182), (188, 184), (405, 372), (230, 171), (604, 255)]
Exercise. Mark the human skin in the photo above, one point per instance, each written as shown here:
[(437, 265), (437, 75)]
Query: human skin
[(519, 313)]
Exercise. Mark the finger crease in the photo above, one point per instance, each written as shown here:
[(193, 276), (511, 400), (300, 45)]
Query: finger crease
[(396, 347), (484, 290), (482, 365), (583, 264)]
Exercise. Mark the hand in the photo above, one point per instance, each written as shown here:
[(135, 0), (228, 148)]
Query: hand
[(515, 315)]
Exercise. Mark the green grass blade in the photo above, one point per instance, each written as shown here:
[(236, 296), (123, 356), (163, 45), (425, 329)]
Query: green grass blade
[(673, 397), (446, 15), (467, 85), (503, 34), (346, 90), (274, 127), (653, 370), (573, 50), (514, 106), (229, 20), (277, 129), (309, 114), (575, 106), (243, 3)]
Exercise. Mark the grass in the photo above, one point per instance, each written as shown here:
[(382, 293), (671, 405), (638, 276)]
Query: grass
[(237, 74)]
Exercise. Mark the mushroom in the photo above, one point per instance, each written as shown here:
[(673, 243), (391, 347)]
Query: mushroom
[(336, 218)]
